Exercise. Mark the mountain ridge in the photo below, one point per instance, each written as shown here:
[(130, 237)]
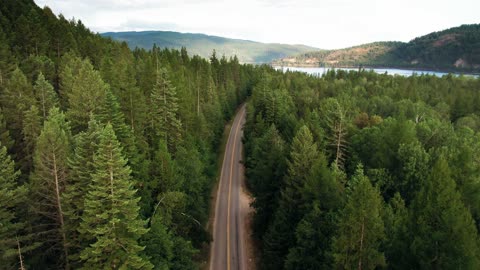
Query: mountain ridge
[(453, 49), (248, 51)]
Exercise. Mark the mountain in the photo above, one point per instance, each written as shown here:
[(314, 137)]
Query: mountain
[(456, 48), (247, 51)]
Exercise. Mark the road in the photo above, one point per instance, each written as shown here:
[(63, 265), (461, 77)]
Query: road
[(228, 246)]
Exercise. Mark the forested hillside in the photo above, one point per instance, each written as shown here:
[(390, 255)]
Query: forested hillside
[(199, 44), (356, 170), (454, 49), (107, 155)]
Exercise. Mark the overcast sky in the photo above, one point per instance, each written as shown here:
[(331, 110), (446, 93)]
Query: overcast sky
[(323, 24)]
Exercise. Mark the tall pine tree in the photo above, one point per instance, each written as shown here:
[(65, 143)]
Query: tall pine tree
[(111, 219), (12, 196), (444, 233), (49, 180), (360, 227), (164, 110)]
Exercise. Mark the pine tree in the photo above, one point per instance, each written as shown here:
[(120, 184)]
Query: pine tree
[(49, 180), (281, 233), (12, 196), (87, 96), (110, 113), (360, 227), (5, 138), (32, 126), (45, 94), (16, 98), (81, 168), (164, 111), (111, 219), (444, 233), (265, 171)]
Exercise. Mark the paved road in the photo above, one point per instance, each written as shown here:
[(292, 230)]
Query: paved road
[(227, 249)]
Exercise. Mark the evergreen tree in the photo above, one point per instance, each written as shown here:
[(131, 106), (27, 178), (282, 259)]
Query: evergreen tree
[(266, 169), (32, 126), (49, 180), (281, 233), (12, 196), (81, 168), (164, 111), (444, 233), (360, 227), (111, 219), (87, 96), (16, 98), (46, 96), (5, 138)]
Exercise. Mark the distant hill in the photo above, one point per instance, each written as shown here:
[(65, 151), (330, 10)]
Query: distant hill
[(456, 48), (203, 45)]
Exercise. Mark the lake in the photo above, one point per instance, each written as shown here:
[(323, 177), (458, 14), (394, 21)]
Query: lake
[(319, 71)]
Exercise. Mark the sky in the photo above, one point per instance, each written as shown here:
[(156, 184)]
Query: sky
[(325, 24)]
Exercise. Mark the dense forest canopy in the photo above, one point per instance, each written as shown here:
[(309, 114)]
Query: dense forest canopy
[(108, 157), (356, 170), (454, 49)]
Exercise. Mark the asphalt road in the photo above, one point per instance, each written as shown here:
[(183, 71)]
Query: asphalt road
[(228, 249)]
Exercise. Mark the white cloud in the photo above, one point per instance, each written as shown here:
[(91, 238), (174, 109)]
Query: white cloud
[(320, 23)]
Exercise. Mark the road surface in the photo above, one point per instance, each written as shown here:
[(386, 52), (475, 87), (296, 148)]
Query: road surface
[(228, 246)]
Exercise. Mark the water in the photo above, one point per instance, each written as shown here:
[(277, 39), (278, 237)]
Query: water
[(319, 71)]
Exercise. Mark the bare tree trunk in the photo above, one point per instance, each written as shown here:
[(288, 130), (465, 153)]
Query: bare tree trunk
[(20, 258), (60, 212), (361, 245)]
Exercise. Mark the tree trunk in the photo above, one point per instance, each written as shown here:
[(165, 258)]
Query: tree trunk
[(22, 267), (361, 244), (60, 212)]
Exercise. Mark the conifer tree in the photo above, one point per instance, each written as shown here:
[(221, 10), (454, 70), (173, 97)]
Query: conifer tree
[(32, 126), (5, 138), (12, 196), (266, 169), (281, 233), (164, 110), (87, 96), (444, 233), (16, 98), (49, 180), (360, 227), (81, 168), (45, 94), (110, 220)]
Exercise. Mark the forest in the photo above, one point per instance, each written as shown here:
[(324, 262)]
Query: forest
[(358, 170), (108, 157)]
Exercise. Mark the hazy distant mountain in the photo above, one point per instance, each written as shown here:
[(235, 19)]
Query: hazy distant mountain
[(203, 45), (456, 48)]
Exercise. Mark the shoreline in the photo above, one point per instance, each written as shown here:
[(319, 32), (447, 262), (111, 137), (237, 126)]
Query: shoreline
[(420, 69)]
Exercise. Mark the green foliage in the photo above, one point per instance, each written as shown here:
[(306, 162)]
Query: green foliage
[(45, 95), (360, 227), (87, 96), (111, 221), (12, 196), (49, 181), (164, 109), (438, 219)]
